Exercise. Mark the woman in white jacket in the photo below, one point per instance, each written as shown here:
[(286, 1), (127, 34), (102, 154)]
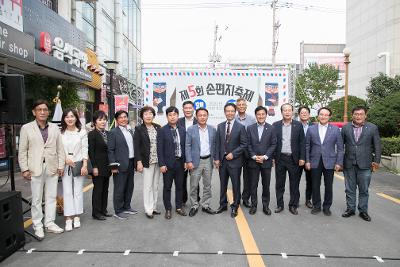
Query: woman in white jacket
[(74, 138)]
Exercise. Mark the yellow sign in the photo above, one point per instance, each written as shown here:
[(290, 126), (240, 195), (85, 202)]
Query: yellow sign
[(94, 68)]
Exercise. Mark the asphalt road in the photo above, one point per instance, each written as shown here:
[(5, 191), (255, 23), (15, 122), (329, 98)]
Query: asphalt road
[(343, 242)]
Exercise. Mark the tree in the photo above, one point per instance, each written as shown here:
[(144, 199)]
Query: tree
[(316, 85), (41, 87), (381, 86), (386, 115), (337, 106)]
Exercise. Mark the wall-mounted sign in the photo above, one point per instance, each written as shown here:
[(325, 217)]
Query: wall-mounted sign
[(11, 13), (95, 69), (16, 44)]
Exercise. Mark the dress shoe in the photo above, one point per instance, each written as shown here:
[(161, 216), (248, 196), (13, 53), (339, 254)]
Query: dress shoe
[(315, 211), (221, 209), (208, 210), (168, 214), (193, 211), (181, 212), (348, 213), (327, 212), (267, 211), (106, 214), (99, 217), (278, 209), (234, 212), (246, 203), (156, 212), (253, 210), (309, 204), (293, 210), (150, 216), (365, 216)]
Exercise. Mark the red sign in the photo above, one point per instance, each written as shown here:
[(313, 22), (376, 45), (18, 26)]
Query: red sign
[(121, 102), (45, 42)]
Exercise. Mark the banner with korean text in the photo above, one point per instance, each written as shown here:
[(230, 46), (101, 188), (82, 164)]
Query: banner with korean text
[(212, 89)]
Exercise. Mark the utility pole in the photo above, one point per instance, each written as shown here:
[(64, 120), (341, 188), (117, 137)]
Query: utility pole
[(215, 57), (275, 27)]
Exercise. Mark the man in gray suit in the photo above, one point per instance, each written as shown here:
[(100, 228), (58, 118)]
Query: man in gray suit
[(324, 155), (200, 140), (362, 155)]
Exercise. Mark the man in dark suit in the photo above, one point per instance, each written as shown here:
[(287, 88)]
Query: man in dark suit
[(261, 146), (231, 141), (304, 115), (121, 151), (171, 159), (185, 122), (324, 155), (362, 156), (289, 155)]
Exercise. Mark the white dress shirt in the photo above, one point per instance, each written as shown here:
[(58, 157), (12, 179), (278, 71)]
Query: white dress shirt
[(260, 129), (188, 122), (204, 142), (75, 144), (129, 139), (322, 131)]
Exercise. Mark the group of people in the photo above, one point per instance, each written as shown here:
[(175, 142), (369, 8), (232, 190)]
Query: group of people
[(189, 147)]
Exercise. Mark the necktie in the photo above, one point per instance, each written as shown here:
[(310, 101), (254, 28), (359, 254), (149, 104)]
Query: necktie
[(227, 135)]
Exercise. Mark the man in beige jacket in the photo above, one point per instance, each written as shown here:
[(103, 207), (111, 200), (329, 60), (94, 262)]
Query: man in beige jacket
[(41, 159)]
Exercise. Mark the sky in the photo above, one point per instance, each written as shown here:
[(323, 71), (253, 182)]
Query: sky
[(182, 31)]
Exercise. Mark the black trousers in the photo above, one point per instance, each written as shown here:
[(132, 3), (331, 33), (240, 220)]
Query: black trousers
[(234, 173), (308, 182), (123, 188), (185, 191), (246, 181), (316, 175), (100, 195), (265, 180), (174, 174), (283, 165)]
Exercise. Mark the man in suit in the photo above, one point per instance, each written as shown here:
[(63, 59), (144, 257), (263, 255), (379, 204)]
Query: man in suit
[(42, 159), (200, 145), (121, 151), (185, 122), (324, 155), (231, 141), (246, 120), (261, 146), (171, 159), (289, 155), (362, 156), (304, 115)]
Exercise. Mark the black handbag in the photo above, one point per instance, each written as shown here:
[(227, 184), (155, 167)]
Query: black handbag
[(76, 171)]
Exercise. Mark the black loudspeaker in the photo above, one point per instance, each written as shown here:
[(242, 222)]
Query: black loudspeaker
[(12, 235), (12, 99)]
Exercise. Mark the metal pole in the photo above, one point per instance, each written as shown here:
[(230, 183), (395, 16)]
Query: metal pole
[(273, 33), (346, 87), (112, 93)]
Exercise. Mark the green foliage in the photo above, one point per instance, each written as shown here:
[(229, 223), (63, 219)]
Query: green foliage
[(41, 87), (381, 86), (316, 85), (390, 145), (386, 115), (337, 107)]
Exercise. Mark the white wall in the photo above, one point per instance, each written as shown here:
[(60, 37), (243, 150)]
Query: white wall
[(372, 27)]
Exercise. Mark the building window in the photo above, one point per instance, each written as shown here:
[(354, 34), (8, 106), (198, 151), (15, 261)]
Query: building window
[(52, 4), (89, 24)]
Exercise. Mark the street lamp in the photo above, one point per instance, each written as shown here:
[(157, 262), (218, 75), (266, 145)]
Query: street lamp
[(346, 53), (111, 66)]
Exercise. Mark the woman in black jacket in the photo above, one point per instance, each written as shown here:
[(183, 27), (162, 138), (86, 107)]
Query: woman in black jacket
[(145, 143), (97, 139)]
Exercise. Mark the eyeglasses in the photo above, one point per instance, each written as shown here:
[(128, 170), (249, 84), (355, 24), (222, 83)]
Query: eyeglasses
[(44, 110)]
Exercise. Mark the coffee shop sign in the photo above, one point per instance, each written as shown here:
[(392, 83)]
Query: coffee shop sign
[(63, 51)]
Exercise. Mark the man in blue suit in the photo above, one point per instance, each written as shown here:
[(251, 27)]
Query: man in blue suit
[(171, 159), (261, 146), (324, 155), (121, 151), (200, 146), (231, 141)]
